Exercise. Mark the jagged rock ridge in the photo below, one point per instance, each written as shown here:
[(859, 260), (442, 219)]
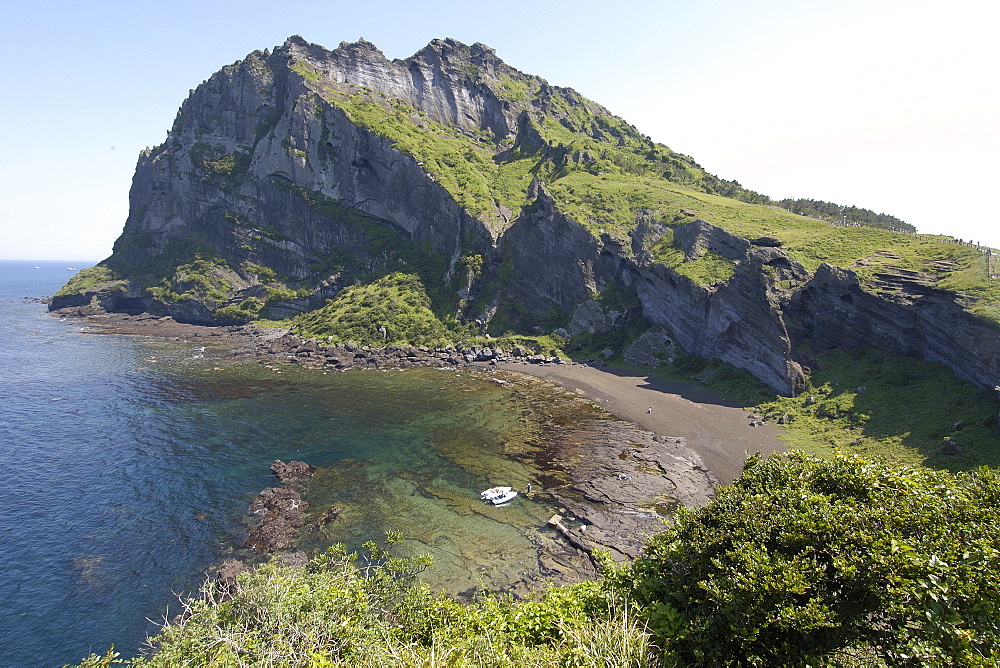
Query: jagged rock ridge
[(293, 173)]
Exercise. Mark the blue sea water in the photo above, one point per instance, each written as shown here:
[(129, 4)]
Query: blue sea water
[(128, 464)]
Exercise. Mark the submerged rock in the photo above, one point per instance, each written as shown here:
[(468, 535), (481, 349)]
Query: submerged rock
[(283, 511), (292, 470)]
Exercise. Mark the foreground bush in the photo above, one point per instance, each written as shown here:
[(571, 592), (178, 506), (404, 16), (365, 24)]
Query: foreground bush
[(804, 561), (369, 611)]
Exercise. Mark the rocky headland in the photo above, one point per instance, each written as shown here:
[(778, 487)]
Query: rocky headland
[(300, 171), (301, 175)]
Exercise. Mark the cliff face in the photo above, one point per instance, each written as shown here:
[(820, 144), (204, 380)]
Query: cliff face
[(905, 316), (254, 149), (739, 321), (291, 174)]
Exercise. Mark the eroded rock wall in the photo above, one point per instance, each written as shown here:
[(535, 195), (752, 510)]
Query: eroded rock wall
[(266, 116), (555, 262), (905, 316)]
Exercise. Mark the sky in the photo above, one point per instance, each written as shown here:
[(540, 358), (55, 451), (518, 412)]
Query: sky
[(891, 106)]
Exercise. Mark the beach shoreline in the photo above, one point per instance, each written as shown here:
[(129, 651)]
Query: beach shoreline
[(718, 431)]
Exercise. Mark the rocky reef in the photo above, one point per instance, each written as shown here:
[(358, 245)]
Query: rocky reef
[(296, 172)]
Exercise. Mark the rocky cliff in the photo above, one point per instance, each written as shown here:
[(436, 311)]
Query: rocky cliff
[(294, 173)]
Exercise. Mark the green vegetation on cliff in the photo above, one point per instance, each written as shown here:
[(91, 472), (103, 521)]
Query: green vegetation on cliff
[(564, 135), (217, 167), (91, 279), (604, 174), (844, 562), (204, 279), (394, 309), (462, 165)]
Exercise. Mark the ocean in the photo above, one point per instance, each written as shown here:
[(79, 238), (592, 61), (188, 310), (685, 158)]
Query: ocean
[(129, 463)]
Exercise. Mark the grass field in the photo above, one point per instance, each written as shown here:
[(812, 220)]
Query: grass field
[(872, 403)]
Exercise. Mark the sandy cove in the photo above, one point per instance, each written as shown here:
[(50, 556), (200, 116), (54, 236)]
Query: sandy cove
[(653, 444), (717, 431)]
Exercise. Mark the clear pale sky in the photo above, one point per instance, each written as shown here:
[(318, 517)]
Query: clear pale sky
[(891, 106)]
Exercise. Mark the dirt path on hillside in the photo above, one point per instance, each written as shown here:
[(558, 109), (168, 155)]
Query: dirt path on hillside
[(720, 433)]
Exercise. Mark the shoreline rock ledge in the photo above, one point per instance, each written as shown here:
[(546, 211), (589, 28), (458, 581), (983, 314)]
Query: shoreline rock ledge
[(282, 510)]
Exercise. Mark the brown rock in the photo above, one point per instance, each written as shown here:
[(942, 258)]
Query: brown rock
[(273, 534), (283, 510), (291, 470), (226, 574)]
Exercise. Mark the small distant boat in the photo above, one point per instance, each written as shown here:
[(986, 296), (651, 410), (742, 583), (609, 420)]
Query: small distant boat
[(500, 500), (70, 268), (498, 495), (494, 492)]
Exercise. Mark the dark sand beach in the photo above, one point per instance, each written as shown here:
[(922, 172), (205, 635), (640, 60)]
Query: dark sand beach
[(718, 432)]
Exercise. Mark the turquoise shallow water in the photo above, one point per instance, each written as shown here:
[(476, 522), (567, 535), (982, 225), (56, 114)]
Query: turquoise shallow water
[(128, 465)]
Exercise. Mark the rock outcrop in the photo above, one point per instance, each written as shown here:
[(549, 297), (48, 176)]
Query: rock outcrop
[(905, 315), (292, 470), (282, 512)]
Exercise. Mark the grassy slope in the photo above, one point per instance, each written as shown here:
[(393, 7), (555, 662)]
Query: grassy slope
[(601, 171), (397, 304), (868, 402), (91, 278), (875, 403)]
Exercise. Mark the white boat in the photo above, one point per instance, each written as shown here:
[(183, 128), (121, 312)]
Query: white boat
[(504, 498), (494, 493)]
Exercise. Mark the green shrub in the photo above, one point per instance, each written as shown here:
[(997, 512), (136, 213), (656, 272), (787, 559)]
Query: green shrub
[(334, 609), (245, 311), (805, 561), (91, 278), (350, 610), (204, 279), (397, 304)]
